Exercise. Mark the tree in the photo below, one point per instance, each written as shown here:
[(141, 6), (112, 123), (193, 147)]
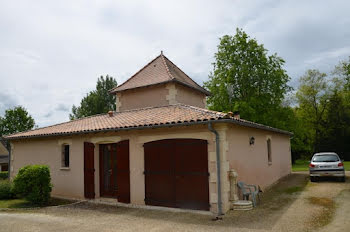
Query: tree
[(16, 120), (246, 79), (313, 97), (336, 130), (97, 101)]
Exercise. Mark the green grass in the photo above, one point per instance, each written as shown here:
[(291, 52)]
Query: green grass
[(293, 189), (15, 203), (22, 203), (303, 165)]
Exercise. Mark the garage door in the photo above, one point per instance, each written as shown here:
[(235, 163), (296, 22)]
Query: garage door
[(176, 173)]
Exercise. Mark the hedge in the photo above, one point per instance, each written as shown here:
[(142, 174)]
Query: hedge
[(33, 182), (4, 175), (6, 190)]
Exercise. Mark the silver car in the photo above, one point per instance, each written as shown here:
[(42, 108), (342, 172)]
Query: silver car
[(326, 164)]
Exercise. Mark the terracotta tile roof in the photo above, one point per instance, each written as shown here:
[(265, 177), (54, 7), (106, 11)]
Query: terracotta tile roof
[(160, 70), (139, 119)]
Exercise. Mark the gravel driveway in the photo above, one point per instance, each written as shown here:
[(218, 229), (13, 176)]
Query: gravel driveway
[(292, 205)]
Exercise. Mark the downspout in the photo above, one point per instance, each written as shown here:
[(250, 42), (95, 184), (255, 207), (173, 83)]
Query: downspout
[(9, 164), (218, 166)]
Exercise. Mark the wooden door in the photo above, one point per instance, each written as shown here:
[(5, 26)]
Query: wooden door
[(191, 174), (159, 173), (108, 185), (176, 173), (89, 170), (115, 171)]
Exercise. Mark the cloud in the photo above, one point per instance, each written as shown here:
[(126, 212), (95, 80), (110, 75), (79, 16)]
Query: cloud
[(62, 107), (48, 115), (7, 101), (52, 53)]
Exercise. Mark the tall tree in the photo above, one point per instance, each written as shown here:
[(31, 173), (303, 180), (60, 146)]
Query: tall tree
[(335, 132), (16, 120), (313, 97), (246, 79), (97, 101)]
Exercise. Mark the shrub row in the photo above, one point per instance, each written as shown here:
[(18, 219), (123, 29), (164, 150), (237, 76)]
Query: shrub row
[(33, 182), (6, 190), (4, 175)]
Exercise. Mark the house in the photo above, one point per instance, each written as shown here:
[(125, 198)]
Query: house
[(4, 157), (161, 147)]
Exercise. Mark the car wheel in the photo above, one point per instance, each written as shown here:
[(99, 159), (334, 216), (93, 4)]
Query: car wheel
[(312, 179), (342, 179)]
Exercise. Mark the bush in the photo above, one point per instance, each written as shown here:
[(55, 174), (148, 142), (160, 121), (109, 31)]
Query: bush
[(33, 182), (4, 175), (6, 190)]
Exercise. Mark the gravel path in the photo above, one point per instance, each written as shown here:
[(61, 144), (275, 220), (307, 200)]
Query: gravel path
[(292, 205)]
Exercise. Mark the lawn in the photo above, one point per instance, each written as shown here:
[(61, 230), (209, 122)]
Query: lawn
[(303, 165), (22, 203)]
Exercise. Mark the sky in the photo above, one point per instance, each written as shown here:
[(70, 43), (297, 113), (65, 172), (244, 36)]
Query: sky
[(52, 52)]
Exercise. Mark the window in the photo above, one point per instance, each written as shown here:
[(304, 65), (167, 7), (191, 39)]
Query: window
[(325, 158), (269, 157), (65, 156)]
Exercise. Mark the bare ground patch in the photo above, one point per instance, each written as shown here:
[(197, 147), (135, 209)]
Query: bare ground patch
[(293, 204), (324, 212)]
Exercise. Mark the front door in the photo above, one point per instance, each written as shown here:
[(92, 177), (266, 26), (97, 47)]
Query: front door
[(114, 171)]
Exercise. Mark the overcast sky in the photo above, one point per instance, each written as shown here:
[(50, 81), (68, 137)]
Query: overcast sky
[(52, 52)]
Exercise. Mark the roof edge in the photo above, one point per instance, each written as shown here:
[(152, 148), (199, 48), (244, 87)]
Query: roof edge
[(163, 125)]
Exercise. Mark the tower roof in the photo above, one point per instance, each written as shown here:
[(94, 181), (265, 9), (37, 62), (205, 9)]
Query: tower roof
[(159, 71)]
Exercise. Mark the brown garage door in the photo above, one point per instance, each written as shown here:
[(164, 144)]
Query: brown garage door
[(176, 173)]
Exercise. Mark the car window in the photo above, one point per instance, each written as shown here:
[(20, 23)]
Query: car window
[(325, 158)]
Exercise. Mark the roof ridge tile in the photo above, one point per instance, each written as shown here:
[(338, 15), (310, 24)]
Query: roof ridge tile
[(166, 66)]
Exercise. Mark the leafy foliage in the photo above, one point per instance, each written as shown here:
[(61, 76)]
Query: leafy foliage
[(324, 111), (33, 182), (6, 190), (97, 101), (313, 96), (246, 79), (4, 175), (16, 120)]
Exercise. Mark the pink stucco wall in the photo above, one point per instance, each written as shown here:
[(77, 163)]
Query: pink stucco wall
[(142, 97), (251, 161), (159, 95), (190, 97)]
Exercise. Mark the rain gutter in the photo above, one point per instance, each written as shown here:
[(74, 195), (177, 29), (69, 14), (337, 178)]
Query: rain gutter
[(218, 166)]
